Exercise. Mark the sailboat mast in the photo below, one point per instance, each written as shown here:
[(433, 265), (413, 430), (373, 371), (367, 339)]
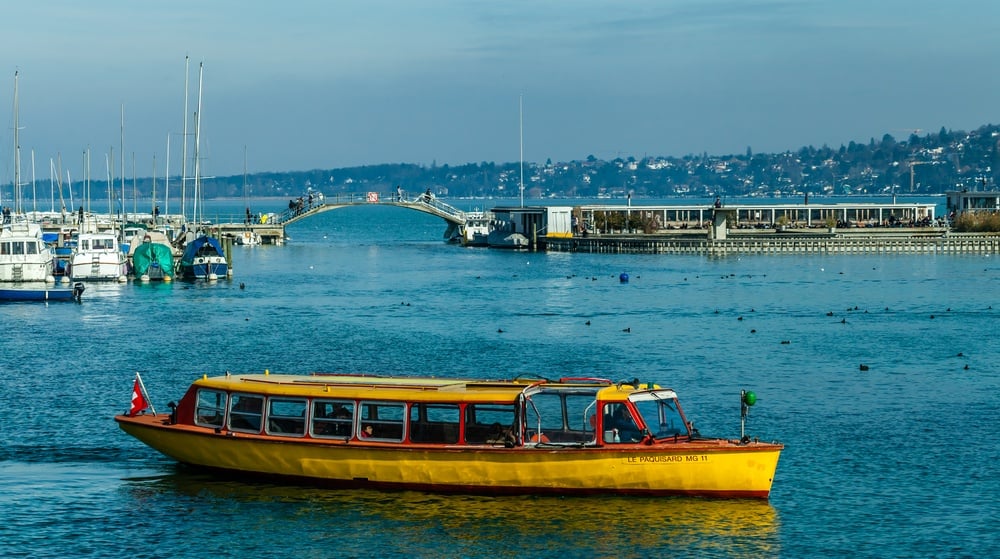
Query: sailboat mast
[(34, 192), (197, 147), (86, 181), (246, 196), (520, 120), (152, 203), (135, 189), (166, 181), (121, 145), (187, 64), (17, 152), (109, 163)]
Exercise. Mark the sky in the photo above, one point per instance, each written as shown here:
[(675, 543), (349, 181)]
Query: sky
[(322, 84)]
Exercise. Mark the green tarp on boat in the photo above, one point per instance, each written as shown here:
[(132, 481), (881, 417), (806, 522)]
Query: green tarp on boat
[(154, 260)]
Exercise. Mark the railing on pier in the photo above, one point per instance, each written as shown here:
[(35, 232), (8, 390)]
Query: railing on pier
[(301, 208)]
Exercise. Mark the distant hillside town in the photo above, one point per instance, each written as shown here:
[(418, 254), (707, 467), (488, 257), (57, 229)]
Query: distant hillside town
[(920, 164)]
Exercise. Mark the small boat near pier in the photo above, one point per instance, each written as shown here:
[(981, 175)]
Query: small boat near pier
[(40, 291)]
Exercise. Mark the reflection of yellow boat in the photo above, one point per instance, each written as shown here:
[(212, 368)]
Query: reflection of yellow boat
[(597, 526), (574, 436)]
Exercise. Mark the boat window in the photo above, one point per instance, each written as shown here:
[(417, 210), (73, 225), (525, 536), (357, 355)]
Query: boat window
[(4, 248), (662, 417), (210, 410), (382, 421), (488, 423), (619, 425), (560, 417), (286, 417), (245, 412), (434, 423), (332, 418), (18, 247), (32, 247)]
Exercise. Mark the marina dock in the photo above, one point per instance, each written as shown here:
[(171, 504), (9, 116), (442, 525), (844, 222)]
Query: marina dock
[(715, 229)]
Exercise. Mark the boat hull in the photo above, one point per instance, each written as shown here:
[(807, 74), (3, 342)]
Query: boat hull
[(41, 293), (98, 267), (204, 258), (205, 268), (712, 468)]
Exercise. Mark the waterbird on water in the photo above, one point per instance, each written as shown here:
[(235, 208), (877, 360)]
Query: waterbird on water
[(863, 367)]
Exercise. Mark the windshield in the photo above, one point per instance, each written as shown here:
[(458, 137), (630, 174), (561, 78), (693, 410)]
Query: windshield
[(661, 414)]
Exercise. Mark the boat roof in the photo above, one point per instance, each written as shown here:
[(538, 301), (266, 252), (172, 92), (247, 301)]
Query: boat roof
[(429, 389)]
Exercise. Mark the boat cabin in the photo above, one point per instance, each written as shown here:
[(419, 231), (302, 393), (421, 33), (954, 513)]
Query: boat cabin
[(352, 408)]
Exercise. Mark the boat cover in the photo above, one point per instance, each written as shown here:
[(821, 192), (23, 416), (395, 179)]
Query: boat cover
[(148, 253), (201, 246)]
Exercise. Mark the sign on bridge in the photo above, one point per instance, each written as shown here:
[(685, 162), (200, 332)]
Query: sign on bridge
[(373, 197)]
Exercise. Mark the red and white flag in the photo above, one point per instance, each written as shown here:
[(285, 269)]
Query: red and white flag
[(139, 402)]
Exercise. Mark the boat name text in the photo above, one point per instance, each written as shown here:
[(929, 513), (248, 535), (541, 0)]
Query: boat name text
[(666, 459)]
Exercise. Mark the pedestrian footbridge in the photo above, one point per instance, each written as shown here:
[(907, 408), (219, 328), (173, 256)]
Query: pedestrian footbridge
[(271, 227)]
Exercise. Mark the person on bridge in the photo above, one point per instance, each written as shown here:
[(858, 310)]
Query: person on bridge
[(399, 193), (427, 196)]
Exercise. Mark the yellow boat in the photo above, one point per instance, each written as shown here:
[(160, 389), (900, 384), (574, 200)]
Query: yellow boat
[(525, 436)]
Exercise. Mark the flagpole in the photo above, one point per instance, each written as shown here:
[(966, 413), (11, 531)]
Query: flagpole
[(144, 393)]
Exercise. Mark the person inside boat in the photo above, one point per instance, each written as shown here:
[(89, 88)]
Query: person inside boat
[(619, 421), (340, 412), (367, 432)]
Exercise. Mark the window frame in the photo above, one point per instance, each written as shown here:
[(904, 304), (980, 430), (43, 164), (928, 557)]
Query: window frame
[(380, 425), (340, 427), (272, 425), (244, 414), (220, 410)]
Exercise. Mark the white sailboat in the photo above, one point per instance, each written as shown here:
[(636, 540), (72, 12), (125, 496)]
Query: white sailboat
[(24, 256), (204, 257)]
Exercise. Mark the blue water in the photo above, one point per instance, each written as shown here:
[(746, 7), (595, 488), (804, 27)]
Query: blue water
[(896, 461)]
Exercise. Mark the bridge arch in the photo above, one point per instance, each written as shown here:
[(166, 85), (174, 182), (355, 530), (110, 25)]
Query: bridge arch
[(428, 204)]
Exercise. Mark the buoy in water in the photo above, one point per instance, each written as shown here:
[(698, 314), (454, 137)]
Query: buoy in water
[(623, 278)]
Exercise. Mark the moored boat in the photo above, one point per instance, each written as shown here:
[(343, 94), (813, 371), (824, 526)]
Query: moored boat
[(153, 258), (98, 257), (40, 291), (571, 436), (476, 230), (24, 256), (204, 258)]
